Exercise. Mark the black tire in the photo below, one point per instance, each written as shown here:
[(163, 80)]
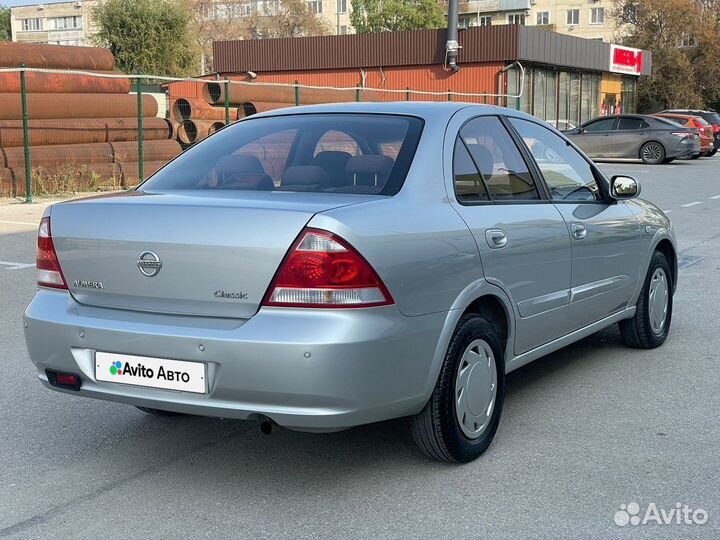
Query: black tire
[(696, 156), (158, 412), (436, 428), (668, 160), (638, 332), (712, 152), (652, 153)]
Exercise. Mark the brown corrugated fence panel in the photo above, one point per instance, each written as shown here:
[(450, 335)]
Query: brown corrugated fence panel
[(500, 43), (417, 47)]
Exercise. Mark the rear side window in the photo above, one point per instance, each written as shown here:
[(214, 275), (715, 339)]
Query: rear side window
[(498, 160), (628, 124), (325, 153)]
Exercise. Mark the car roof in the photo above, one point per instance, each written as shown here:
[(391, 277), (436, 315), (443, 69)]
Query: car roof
[(422, 109)]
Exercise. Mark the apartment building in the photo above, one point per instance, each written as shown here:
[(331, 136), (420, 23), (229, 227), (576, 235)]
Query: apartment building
[(61, 23), (589, 19)]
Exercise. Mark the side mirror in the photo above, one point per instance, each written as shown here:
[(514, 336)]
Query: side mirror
[(624, 187)]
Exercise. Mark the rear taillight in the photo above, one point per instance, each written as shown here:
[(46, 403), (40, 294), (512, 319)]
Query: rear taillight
[(682, 134), (49, 273), (716, 128), (322, 270)]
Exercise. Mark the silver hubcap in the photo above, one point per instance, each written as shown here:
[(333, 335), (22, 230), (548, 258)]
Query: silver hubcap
[(476, 389), (652, 152), (658, 301)]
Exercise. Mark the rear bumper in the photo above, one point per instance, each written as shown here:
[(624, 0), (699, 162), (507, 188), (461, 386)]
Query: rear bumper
[(685, 149), (304, 369)]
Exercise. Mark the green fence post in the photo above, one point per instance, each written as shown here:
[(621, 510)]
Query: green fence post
[(141, 160), (297, 93), (357, 93), (407, 93), (26, 136), (167, 102), (227, 101), (449, 95)]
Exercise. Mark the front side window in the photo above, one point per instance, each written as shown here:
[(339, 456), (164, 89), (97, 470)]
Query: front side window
[(498, 160), (324, 153), (573, 17), (568, 175), (606, 124)]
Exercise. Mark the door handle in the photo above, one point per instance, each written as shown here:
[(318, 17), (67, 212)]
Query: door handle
[(496, 238), (578, 231)]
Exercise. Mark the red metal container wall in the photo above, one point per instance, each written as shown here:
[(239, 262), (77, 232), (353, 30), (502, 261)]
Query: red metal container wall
[(472, 78)]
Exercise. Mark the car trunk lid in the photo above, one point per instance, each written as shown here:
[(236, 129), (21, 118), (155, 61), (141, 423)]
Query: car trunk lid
[(191, 253)]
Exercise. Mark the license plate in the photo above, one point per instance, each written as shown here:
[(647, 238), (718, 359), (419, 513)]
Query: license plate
[(151, 372)]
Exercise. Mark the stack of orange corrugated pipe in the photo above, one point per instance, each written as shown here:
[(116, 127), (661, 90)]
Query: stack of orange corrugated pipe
[(83, 128), (198, 108)]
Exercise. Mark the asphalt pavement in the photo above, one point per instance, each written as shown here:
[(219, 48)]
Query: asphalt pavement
[(585, 432)]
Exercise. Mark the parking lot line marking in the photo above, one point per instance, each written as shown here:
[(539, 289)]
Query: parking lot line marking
[(715, 197), (15, 265), (694, 203), (18, 222)]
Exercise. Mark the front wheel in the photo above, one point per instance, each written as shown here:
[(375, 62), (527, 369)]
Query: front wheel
[(462, 416), (713, 152), (652, 153), (650, 325)]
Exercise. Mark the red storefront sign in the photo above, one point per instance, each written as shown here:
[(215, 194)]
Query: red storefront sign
[(625, 60)]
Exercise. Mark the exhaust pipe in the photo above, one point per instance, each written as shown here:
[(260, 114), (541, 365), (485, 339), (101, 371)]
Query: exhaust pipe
[(451, 45), (266, 427)]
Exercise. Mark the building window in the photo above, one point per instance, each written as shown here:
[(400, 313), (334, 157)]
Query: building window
[(516, 18), (485, 20), (463, 23), (315, 6), (597, 15), (66, 23), (342, 6), (573, 17), (543, 17), (343, 30), (32, 25)]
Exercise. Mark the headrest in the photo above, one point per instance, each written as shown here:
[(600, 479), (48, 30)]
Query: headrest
[(305, 175), (331, 159), (483, 158), (371, 164), (236, 163)]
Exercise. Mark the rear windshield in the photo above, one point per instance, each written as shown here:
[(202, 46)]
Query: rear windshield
[(331, 153)]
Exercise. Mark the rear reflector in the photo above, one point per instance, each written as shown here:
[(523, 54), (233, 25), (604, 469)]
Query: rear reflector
[(69, 381), (49, 273), (322, 270)]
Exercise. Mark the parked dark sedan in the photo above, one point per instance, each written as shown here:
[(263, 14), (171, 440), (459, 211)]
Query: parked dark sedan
[(633, 136)]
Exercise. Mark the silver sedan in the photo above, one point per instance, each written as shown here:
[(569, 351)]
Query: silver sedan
[(324, 267)]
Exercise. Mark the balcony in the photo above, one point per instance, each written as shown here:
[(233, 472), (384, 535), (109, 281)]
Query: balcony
[(490, 6)]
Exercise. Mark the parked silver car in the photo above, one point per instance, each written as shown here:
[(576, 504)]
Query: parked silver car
[(330, 266), (632, 136)]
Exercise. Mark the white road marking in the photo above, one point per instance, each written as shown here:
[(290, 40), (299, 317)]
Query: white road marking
[(19, 223), (688, 205), (715, 197), (16, 265)]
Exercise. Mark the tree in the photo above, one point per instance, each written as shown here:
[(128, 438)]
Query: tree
[(148, 36), (685, 42), (5, 29), (218, 20), (394, 15)]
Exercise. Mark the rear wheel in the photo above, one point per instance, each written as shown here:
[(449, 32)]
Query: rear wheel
[(157, 412), (462, 416), (650, 325), (652, 153), (712, 152)]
